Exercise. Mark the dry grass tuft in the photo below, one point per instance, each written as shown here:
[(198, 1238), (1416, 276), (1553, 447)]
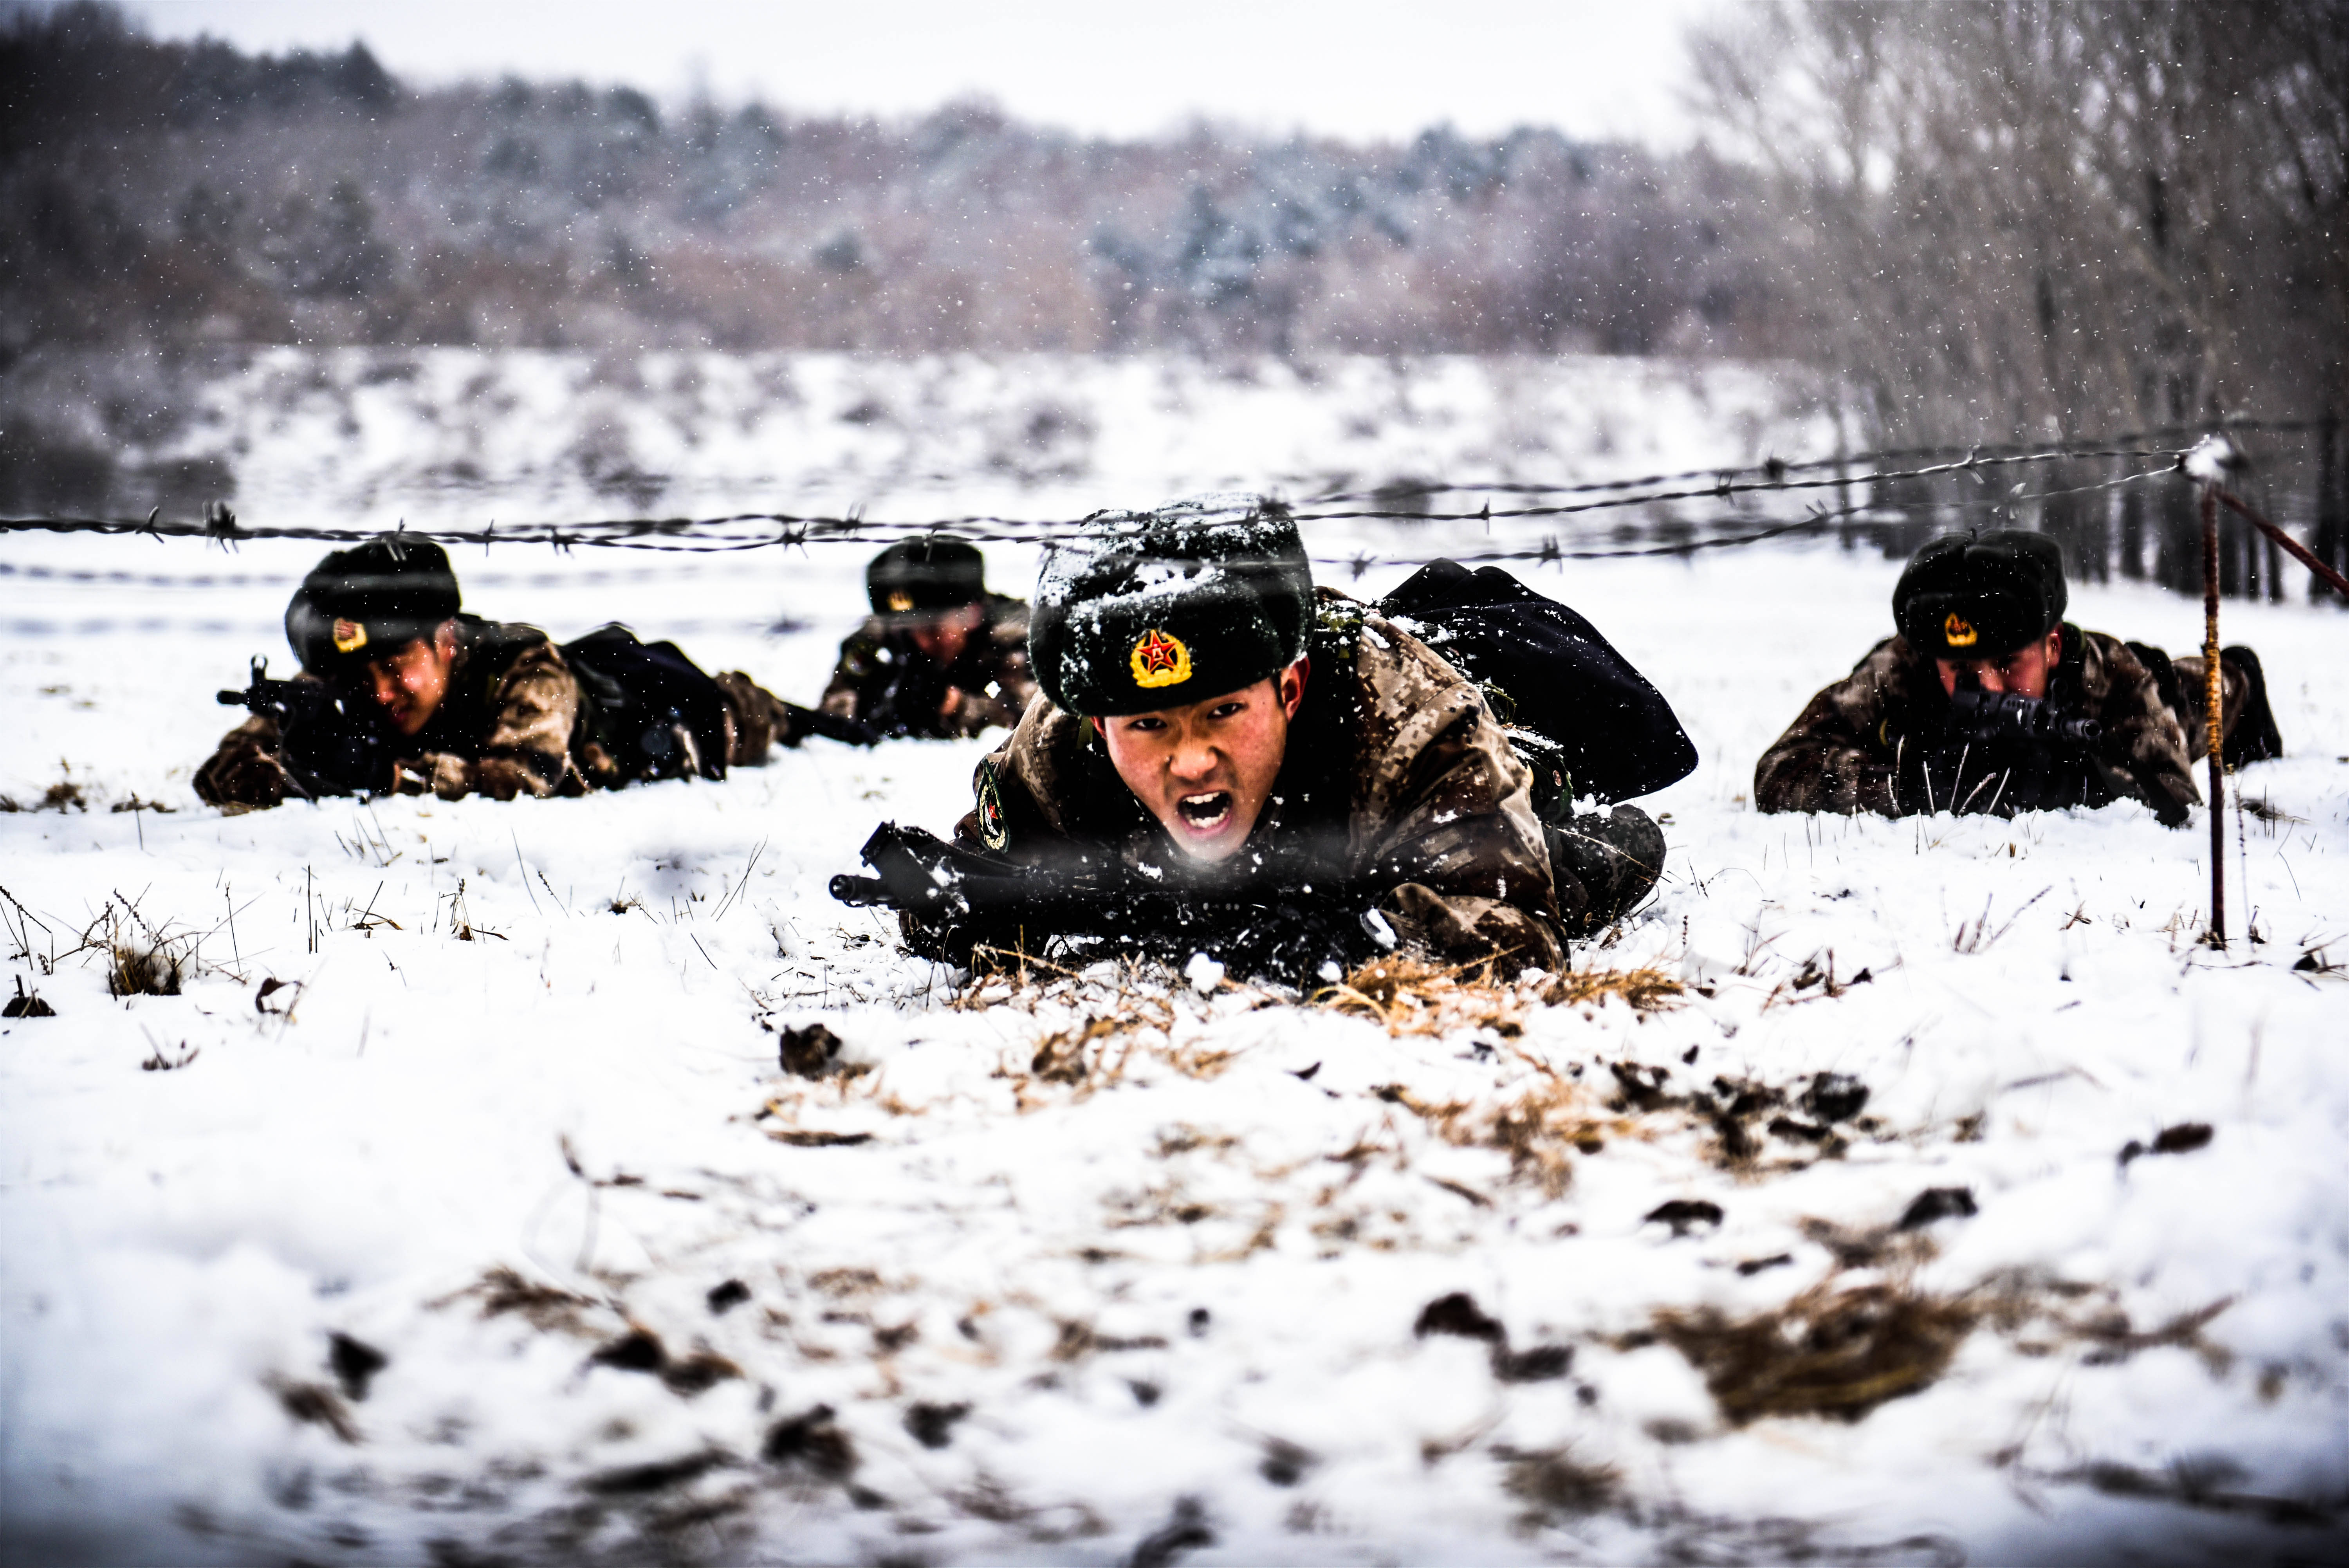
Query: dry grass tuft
[(1114, 1016), (500, 1290), (1063, 1056), (1649, 989), (1413, 996), (1554, 1484), (1838, 1353), (1538, 1128), (138, 970)]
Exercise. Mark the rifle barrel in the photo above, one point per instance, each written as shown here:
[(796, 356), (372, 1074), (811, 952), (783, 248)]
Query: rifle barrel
[(864, 892)]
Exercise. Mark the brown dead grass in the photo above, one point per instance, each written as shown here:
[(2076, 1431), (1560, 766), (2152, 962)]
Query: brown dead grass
[(1645, 990), (1828, 1352), (1541, 1126), (1554, 1484), (500, 1290), (1411, 996)]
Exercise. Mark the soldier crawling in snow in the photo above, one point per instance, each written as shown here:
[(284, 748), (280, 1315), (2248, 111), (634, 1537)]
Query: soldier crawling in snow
[(1230, 762), (941, 655), (402, 692), (1989, 701)]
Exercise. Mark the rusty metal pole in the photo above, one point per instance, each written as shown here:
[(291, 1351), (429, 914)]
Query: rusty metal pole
[(2217, 935)]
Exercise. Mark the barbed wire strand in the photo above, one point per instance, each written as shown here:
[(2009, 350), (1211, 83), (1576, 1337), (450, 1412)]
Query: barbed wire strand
[(1550, 551), (1547, 550), (697, 536)]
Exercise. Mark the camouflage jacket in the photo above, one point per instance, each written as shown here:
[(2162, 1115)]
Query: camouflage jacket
[(884, 680), (1394, 775), (504, 728), (1855, 747)]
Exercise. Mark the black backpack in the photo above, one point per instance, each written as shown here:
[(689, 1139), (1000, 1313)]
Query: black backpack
[(649, 707), (1582, 718)]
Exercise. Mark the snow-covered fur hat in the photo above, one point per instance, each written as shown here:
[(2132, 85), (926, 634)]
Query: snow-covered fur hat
[(371, 599), (1159, 609), (1980, 596)]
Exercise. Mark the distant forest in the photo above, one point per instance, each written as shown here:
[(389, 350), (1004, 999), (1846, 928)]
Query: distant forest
[(1997, 220), (181, 193)]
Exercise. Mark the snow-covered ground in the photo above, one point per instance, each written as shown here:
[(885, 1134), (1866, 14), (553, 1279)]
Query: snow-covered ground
[(1106, 1270)]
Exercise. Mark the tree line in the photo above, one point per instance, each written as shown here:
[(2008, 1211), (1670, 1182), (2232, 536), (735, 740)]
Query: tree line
[(176, 192), (2041, 220), (1993, 221)]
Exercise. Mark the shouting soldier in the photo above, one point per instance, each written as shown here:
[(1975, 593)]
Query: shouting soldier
[(1989, 701), (1231, 762)]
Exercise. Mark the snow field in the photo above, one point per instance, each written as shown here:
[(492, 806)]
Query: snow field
[(1168, 1250)]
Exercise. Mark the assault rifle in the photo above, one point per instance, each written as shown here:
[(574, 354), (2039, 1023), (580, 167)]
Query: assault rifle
[(330, 746), (832, 726), (1981, 717), (2000, 752), (959, 898)]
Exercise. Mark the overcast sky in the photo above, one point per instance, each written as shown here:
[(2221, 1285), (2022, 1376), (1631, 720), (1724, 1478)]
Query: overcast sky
[(1357, 70)]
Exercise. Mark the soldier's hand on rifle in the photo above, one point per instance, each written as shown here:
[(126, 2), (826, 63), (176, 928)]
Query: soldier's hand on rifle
[(250, 776)]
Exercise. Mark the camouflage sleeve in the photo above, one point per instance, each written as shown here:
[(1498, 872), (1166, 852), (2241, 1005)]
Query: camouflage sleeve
[(245, 771), (756, 720), (2190, 701), (1022, 790), (848, 692), (2145, 749), (526, 749), (1836, 756), (1445, 807)]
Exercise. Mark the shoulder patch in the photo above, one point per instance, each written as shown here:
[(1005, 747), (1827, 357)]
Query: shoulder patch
[(992, 830)]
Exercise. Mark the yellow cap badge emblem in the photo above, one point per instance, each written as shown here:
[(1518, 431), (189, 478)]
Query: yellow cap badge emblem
[(350, 635), (1160, 659), (900, 601), (1959, 632)]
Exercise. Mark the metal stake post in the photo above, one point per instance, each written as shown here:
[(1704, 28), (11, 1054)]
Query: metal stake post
[(2217, 936)]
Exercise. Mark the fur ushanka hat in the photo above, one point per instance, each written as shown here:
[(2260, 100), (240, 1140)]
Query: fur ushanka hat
[(1980, 596), (371, 599), (1159, 609)]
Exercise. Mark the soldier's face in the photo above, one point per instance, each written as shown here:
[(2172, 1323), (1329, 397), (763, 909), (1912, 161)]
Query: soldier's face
[(942, 637), (411, 682), (1206, 770), (2024, 672)]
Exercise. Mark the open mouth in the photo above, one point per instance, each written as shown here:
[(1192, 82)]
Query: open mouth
[(1206, 813)]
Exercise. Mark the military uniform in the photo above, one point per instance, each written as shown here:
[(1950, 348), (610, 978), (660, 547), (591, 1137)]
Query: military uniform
[(504, 728), (884, 680), (513, 718), (1395, 774), (1876, 742)]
